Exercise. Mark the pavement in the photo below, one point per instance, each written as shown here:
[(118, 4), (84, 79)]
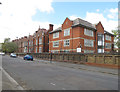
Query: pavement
[(81, 66), (8, 83)]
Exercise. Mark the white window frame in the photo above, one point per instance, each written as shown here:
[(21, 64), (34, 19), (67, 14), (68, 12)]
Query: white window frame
[(88, 51), (55, 42), (67, 32), (40, 40), (88, 32), (66, 42), (108, 37), (36, 49), (88, 43), (36, 41), (56, 35), (108, 45), (40, 49)]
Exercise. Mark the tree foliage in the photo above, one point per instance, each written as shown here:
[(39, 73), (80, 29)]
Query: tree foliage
[(116, 37), (9, 47)]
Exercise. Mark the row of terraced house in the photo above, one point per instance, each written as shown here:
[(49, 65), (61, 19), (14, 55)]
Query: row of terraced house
[(72, 36)]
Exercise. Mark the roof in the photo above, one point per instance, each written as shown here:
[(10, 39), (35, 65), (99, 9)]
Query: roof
[(106, 32), (56, 30), (80, 22)]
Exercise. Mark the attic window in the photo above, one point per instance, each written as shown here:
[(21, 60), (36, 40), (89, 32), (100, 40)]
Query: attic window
[(66, 23)]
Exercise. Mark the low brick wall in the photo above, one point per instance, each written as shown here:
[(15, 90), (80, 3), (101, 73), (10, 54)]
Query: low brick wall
[(111, 60)]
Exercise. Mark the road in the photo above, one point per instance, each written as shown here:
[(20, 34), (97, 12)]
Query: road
[(34, 75)]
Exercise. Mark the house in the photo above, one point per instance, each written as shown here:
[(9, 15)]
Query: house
[(36, 43), (80, 36)]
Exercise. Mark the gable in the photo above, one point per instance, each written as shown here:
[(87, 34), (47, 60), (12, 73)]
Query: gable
[(66, 24), (100, 28)]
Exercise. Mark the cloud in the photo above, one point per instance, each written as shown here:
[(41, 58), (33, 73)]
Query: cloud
[(108, 25), (94, 18), (16, 17), (114, 10), (113, 13), (97, 10), (73, 17)]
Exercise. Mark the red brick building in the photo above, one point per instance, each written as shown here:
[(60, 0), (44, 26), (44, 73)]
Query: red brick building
[(36, 43), (73, 36), (80, 36)]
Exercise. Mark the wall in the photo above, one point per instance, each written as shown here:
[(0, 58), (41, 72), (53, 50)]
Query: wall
[(103, 60)]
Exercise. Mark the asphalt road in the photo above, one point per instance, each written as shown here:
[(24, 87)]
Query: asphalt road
[(35, 75)]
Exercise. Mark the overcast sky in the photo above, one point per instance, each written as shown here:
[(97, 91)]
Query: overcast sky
[(20, 18)]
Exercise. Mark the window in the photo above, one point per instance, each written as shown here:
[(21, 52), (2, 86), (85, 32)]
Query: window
[(108, 45), (36, 49), (66, 42), (88, 32), (88, 51), (56, 44), (40, 49), (40, 40), (56, 35), (100, 50), (107, 37), (67, 32), (88, 43), (29, 43), (36, 41)]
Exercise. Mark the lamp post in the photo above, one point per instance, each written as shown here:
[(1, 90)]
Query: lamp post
[(17, 44)]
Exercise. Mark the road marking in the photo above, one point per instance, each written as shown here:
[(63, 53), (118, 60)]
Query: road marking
[(52, 84), (12, 80)]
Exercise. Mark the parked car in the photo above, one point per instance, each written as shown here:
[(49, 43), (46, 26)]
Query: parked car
[(28, 57), (2, 53), (13, 55)]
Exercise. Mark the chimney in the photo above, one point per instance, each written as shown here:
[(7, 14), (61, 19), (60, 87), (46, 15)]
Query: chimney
[(51, 27)]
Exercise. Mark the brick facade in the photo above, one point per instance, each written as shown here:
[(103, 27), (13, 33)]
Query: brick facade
[(78, 38), (71, 36), (36, 43)]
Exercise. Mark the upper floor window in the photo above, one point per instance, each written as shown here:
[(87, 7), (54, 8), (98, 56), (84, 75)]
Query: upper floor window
[(56, 44), (107, 37), (67, 32), (108, 45), (56, 35), (36, 41), (88, 43), (40, 40), (66, 42), (88, 32)]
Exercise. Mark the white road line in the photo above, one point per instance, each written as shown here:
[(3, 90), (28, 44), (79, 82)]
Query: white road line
[(52, 84), (12, 80)]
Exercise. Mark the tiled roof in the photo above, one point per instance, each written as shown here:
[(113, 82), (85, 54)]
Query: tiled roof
[(106, 32), (81, 22), (58, 29)]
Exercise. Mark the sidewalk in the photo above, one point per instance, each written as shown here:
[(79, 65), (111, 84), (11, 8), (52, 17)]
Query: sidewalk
[(82, 67), (8, 83)]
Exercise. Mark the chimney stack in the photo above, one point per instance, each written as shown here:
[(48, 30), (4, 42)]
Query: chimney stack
[(51, 27)]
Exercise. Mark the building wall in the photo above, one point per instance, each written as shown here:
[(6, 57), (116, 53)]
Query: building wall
[(76, 38)]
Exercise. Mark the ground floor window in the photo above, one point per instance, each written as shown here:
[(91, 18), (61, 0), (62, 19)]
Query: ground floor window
[(88, 51), (40, 49)]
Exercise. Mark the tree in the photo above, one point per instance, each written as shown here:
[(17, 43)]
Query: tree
[(9, 47), (116, 37)]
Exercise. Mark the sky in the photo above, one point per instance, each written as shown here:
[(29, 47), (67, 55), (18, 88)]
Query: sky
[(20, 18)]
